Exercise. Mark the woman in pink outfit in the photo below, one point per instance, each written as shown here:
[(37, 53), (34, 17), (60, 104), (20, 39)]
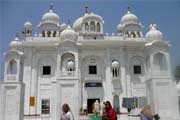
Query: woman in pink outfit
[(109, 113)]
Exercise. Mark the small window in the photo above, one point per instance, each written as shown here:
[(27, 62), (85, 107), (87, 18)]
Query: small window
[(98, 27), (12, 68), (43, 34), (86, 26), (49, 33), (137, 69), (92, 70), (46, 70), (54, 34), (93, 84), (45, 106), (92, 26)]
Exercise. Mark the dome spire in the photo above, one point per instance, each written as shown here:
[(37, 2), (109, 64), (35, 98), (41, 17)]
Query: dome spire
[(128, 9), (69, 22), (51, 6), (86, 8), (16, 37)]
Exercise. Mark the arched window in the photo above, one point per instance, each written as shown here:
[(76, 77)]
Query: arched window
[(115, 68), (160, 63), (98, 27), (133, 34), (54, 34), (127, 34), (12, 67), (49, 33), (92, 26), (138, 33), (86, 26), (43, 34), (68, 64)]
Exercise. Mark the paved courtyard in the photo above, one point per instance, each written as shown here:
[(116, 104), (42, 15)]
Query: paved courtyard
[(120, 117)]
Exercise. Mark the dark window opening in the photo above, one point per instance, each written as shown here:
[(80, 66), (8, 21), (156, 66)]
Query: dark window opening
[(137, 69), (92, 70), (45, 107), (93, 84), (49, 33), (54, 34), (43, 34), (46, 70)]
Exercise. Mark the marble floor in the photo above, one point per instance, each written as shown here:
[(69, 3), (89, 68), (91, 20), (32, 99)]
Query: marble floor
[(120, 117)]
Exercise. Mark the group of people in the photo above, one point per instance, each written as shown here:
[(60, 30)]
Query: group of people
[(108, 113)]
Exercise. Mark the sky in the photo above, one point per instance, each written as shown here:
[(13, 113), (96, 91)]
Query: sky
[(165, 13)]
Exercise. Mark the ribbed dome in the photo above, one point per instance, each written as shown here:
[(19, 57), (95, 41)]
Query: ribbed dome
[(77, 25), (129, 18), (50, 17), (153, 33), (115, 64), (27, 24), (68, 34)]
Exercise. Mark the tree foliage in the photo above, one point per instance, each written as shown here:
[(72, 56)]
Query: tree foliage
[(177, 73)]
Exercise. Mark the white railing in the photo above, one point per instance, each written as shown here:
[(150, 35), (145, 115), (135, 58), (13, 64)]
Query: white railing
[(11, 77)]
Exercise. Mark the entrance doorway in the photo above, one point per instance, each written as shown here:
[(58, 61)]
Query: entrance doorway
[(90, 104)]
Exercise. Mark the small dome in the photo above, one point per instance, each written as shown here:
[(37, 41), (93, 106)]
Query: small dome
[(153, 33), (27, 24), (77, 25), (70, 64), (115, 64), (129, 18), (50, 17), (120, 27), (68, 34), (15, 43)]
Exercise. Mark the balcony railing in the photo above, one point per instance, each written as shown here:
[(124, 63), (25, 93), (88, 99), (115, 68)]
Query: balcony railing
[(11, 77)]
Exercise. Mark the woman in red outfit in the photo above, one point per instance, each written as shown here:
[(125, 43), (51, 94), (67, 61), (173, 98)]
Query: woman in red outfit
[(109, 113)]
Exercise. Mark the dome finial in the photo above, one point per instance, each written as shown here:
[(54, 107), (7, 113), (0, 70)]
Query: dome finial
[(153, 26), (69, 22), (128, 9), (17, 34), (51, 6), (86, 8), (16, 37)]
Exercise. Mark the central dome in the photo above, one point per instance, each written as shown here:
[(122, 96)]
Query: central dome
[(87, 18), (129, 18), (50, 17)]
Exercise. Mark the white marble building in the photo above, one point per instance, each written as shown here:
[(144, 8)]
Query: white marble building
[(78, 64)]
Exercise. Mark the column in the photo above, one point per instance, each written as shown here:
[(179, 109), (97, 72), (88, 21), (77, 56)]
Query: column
[(34, 83), (108, 85), (123, 78)]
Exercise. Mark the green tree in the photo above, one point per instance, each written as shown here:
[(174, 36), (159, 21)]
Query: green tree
[(177, 73)]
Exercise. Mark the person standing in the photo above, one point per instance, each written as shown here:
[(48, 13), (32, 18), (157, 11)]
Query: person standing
[(96, 109), (66, 113), (146, 113), (109, 113)]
